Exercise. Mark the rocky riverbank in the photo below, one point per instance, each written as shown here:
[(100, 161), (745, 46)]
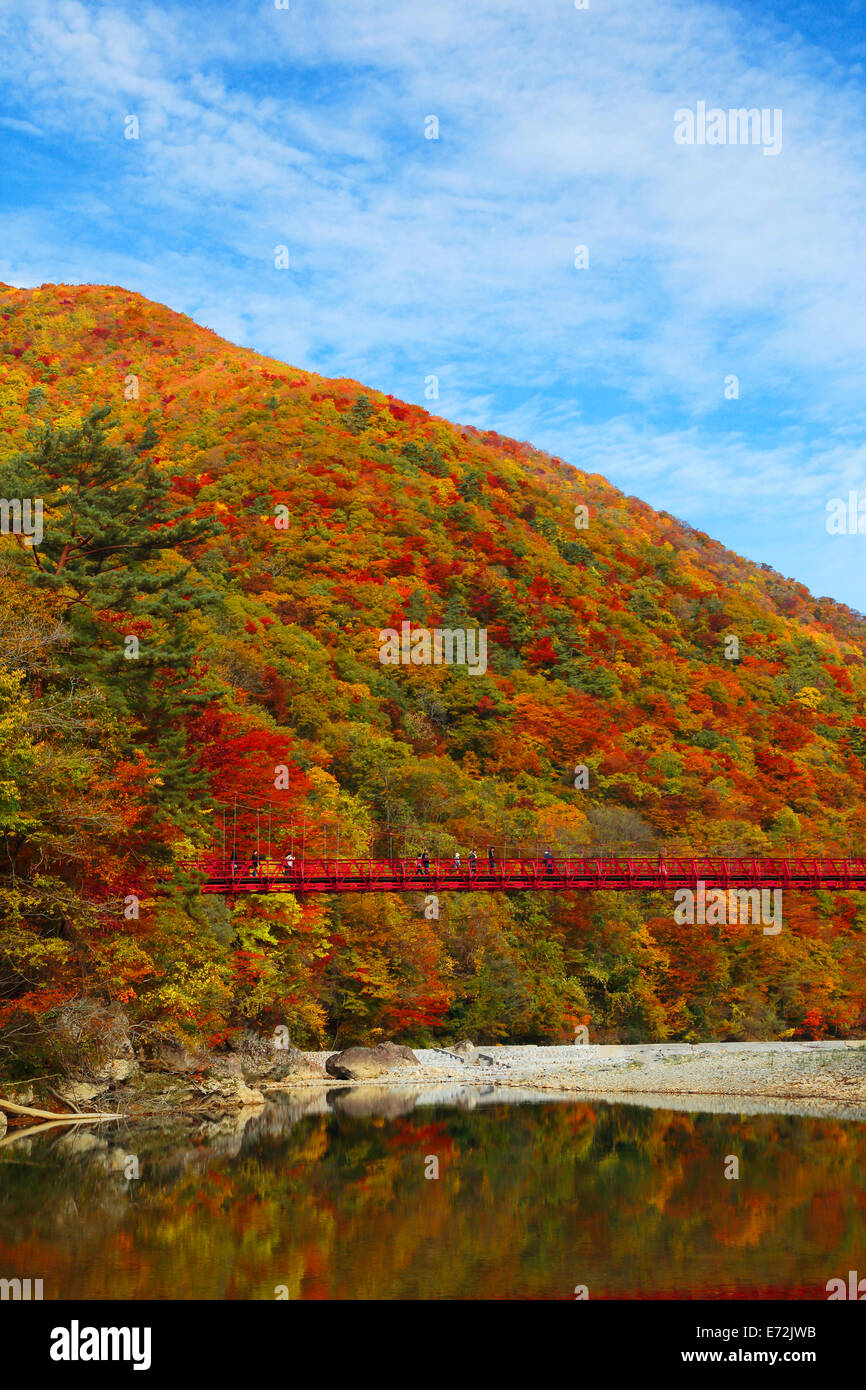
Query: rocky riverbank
[(829, 1071), (173, 1080)]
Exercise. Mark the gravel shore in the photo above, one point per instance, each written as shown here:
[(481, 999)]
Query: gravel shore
[(832, 1072)]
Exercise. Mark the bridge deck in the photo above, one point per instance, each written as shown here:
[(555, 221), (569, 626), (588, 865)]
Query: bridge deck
[(528, 875)]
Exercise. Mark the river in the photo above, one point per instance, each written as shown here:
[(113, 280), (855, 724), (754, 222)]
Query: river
[(336, 1196)]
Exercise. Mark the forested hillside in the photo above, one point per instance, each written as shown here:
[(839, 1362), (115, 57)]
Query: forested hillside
[(224, 538)]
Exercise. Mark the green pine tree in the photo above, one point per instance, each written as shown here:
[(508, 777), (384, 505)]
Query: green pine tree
[(113, 553)]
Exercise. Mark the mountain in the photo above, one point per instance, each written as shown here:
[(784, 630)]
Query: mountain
[(197, 643)]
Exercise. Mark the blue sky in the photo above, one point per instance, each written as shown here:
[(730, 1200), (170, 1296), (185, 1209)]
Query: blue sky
[(409, 257)]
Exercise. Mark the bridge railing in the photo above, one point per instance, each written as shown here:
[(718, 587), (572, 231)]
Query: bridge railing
[(597, 872)]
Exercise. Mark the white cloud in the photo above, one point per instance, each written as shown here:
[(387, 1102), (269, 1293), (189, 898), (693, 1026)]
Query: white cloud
[(24, 127), (306, 126)]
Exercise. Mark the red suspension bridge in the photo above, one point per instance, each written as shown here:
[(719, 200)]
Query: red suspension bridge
[(520, 875)]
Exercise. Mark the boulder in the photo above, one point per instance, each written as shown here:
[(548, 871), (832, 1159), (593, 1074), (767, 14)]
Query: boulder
[(365, 1063), (228, 1092), (463, 1047), (19, 1095), (295, 1067), (78, 1093)]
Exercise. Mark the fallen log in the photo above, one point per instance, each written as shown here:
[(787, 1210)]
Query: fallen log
[(11, 1107), (13, 1135)]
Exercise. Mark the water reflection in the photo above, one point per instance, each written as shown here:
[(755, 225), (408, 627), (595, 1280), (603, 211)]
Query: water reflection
[(324, 1195)]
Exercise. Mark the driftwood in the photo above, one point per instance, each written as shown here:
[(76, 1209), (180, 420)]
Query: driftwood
[(15, 1134), (12, 1108)]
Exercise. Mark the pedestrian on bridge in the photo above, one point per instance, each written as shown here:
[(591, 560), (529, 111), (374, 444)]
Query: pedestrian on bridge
[(289, 864), (254, 865), (425, 863), (491, 860), (548, 862), (457, 860), (473, 861)]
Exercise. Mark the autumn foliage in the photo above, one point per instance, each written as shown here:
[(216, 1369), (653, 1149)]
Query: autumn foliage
[(292, 518)]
